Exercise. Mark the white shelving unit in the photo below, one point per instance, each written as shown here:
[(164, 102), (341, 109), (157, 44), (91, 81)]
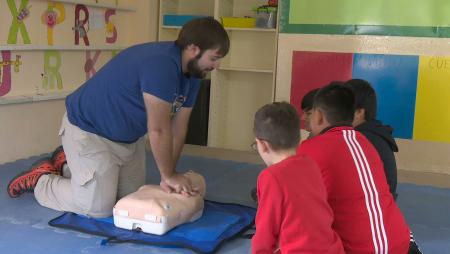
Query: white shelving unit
[(246, 78), (99, 4), (191, 7)]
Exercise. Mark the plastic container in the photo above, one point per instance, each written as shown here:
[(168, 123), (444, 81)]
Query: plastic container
[(238, 22), (266, 17), (178, 20)]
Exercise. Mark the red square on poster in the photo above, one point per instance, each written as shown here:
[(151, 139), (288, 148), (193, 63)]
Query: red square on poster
[(316, 69)]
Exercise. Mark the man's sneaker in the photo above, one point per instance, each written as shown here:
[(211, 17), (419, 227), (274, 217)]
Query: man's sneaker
[(58, 160), (26, 181)]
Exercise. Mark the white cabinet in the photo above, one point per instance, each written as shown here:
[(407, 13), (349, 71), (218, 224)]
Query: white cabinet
[(245, 80)]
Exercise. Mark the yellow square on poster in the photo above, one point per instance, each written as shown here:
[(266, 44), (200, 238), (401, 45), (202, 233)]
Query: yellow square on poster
[(432, 116)]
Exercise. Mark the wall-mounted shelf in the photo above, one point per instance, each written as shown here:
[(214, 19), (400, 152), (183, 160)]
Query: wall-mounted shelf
[(227, 68), (93, 3), (266, 30), (34, 97), (171, 27), (67, 48)]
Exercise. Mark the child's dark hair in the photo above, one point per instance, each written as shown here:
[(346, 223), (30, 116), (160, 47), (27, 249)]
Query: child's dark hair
[(337, 102), (308, 99), (365, 97), (278, 123), (206, 33)]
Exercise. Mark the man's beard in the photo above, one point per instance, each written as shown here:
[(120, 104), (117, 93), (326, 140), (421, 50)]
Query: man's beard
[(194, 70)]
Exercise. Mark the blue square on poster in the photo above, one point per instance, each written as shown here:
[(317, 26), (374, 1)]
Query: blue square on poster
[(394, 78)]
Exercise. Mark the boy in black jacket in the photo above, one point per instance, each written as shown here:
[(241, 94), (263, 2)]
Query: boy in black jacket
[(378, 134)]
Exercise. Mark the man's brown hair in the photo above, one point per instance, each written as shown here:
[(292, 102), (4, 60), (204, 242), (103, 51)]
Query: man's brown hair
[(206, 33)]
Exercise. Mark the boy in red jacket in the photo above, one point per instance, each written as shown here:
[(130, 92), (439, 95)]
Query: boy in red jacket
[(365, 215), (293, 214)]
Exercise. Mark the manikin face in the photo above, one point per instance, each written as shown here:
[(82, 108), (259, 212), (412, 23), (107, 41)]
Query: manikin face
[(203, 63)]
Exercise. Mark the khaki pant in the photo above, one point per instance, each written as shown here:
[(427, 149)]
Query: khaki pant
[(101, 172)]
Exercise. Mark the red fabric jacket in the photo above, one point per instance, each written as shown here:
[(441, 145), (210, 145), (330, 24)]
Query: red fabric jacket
[(365, 215), (293, 214)]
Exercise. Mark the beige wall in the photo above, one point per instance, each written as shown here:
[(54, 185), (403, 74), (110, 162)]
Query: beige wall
[(413, 155), (31, 128)]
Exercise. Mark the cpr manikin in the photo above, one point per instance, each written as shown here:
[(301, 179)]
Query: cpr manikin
[(155, 211)]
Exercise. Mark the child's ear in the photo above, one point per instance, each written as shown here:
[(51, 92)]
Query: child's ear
[(318, 121), (265, 146), (320, 117), (359, 117)]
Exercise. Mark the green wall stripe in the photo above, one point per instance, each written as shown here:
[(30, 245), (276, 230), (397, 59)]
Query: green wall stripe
[(413, 31)]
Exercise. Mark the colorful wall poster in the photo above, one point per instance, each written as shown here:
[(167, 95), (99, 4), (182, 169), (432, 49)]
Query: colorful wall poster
[(413, 92)]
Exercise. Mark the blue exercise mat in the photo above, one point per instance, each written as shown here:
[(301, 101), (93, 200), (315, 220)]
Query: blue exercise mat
[(220, 222)]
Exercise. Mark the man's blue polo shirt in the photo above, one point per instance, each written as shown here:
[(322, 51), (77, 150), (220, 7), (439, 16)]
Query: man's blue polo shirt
[(111, 103)]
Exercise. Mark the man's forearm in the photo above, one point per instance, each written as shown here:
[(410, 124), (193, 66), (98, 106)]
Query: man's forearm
[(179, 130), (162, 148), (178, 143)]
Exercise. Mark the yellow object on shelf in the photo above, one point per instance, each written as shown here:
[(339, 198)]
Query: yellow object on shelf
[(246, 22)]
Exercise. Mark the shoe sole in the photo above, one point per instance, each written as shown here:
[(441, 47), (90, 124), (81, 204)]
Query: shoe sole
[(35, 164)]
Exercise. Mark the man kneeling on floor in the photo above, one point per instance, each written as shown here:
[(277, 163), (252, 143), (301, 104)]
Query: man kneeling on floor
[(147, 88)]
